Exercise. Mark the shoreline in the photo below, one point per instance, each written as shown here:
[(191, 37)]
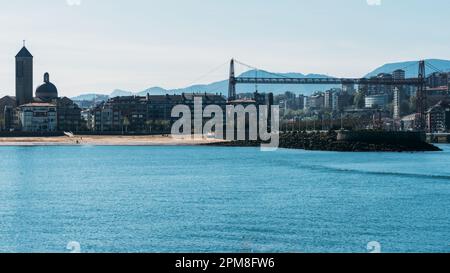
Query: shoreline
[(89, 140), (363, 141), (297, 141)]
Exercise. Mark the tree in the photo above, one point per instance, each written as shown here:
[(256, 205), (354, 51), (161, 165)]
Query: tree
[(2, 123), (359, 100), (126, 123), (404, 108), (166, 125), (149, 124)]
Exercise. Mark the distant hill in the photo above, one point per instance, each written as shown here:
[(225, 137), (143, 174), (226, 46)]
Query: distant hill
[(120, 93), (411, 68), (89, 97), (154, 91), (222, 86)]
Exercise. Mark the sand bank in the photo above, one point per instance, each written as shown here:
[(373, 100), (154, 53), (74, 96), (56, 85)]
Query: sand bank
[(104, 141)]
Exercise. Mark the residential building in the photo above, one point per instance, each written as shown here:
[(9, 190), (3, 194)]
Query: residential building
[(438, 79), (7, 105), (376, 101), (399, 74), (438, 118), (380, 89), (289, 101), (397, 102), (301, 101), (69, 115), (341, 100), (145, 114), (315, 102), (349, 89), (328, 99), (437, 94), (409, 123), (38, 117)]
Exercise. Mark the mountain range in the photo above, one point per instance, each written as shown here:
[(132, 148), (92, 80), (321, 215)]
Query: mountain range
[(411, 68)]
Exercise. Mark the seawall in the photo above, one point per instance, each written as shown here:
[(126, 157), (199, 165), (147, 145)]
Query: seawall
[(364, 141), (381, 137)]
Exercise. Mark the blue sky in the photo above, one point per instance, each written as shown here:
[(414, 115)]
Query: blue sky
[(100, 45)]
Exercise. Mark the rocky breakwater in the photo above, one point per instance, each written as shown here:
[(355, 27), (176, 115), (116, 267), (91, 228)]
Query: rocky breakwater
[(363, 141)]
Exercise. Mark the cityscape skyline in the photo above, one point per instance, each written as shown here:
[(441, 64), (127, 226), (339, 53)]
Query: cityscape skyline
[(224, 135), (175, 57)]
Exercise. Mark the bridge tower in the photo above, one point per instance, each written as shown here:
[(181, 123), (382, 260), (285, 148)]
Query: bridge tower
[(232, 83), (421, 97)]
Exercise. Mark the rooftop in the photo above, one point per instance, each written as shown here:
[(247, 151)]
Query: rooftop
[(243, 101), (440, 105), (411, 117), (24, 53), (38, 104)]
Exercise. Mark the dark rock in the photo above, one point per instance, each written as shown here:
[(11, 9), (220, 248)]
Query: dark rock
[(319, 141)]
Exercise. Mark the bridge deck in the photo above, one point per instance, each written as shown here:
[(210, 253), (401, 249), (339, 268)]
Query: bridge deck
[(248, 80)]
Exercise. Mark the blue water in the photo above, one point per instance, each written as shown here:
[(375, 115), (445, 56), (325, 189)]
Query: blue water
[(212, 199)]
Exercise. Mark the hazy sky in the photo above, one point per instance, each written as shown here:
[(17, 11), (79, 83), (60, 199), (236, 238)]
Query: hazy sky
[(101, 45)]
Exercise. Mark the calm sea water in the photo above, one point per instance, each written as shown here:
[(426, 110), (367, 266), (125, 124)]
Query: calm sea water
[(212, 199)]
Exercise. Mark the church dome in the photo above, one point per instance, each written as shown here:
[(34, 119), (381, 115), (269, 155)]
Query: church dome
[(48, 90)]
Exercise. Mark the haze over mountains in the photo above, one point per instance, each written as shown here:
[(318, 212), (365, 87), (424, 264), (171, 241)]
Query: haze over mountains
[(411, 68)]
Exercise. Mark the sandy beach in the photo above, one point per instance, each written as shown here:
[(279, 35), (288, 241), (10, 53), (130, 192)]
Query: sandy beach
[(104, 141)]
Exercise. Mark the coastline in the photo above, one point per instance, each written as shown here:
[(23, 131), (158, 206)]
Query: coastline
[(89, 140), (318, 141), (332, 141)]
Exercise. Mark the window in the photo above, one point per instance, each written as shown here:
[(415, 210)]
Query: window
[(40, 114)]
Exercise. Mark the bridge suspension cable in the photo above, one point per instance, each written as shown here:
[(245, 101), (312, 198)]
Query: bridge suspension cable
[(203, 76), (433, 68), (215, 69), (258, 69), (410, 65)]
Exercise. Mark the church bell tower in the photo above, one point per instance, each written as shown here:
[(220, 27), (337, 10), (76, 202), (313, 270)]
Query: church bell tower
[(24, 76)]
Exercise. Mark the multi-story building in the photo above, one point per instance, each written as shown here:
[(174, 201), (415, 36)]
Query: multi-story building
[(315, 102), (341, 100), (38, 117), (349, 89), (11, 119), (69, 115), (438, 79), (397, 102), (399, 74), (145, 114), (409, 122), (376, 101), (380, 89), (301, 101), (122, 114), (438, 118), (7, 106), (437, 94), (334, 99), (288, 101), (328, 99)]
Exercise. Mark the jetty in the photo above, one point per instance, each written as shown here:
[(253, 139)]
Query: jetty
[(348, 141)]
